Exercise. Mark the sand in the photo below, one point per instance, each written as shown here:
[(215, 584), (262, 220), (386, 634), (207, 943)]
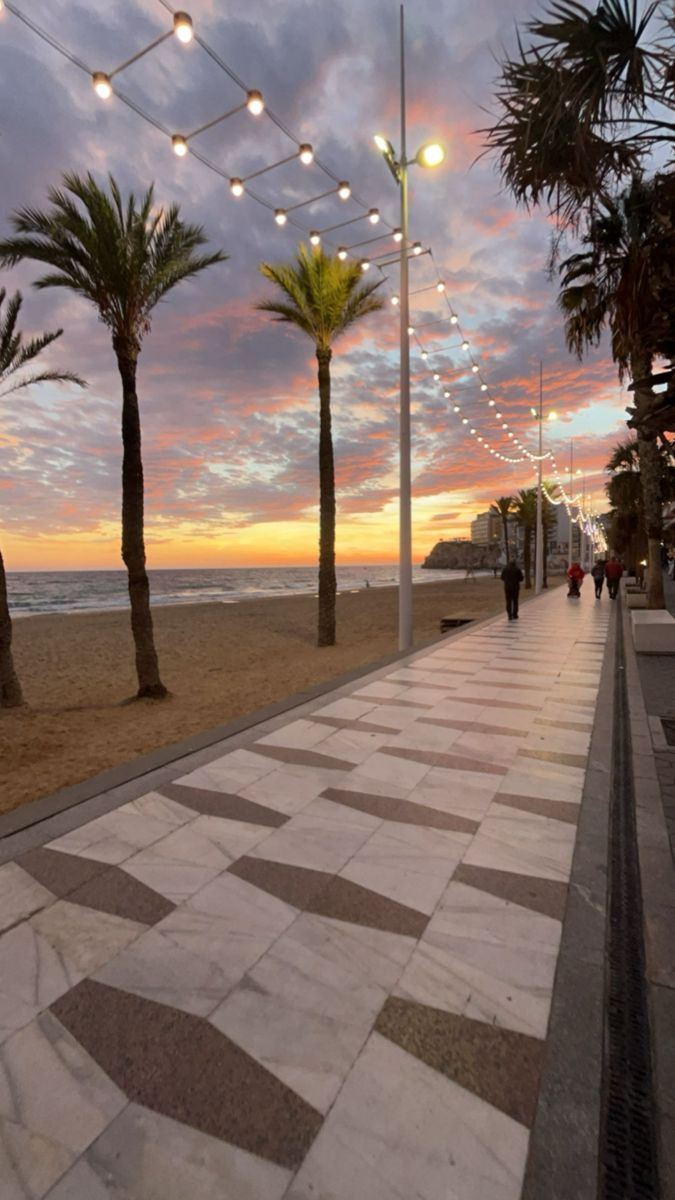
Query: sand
[(219, 661)]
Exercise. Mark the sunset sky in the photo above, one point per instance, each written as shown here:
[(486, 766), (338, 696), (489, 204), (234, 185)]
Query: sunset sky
[(228, 399)]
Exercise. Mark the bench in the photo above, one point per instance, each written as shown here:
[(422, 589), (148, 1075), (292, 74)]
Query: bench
[(653, 631)]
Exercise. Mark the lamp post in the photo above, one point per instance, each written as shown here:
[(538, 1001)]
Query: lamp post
[(431, 154), (539, 544)]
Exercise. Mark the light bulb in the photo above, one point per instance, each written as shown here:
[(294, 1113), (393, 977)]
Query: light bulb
[(436, 376), (315, 238), (440, 286), (306, 154), (491, 402), (465, 345), (417, 248), (472, 431), (446, 393), (280, 216), (465, 421), (394, 300), (454, 319), (425, 354), (236, 187), (474, 368), (255, 103), (480, 439), (456, 408), (483, 388), (180, 146), (342, 254), (504, 426), (365, 264), (510, 435), (344, 191), (498, 416), (431, 154), (411, 330), (102, 85), (373, 215), (397, 235), (182, 27)]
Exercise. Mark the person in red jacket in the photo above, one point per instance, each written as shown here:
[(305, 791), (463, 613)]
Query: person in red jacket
[(575, 575), (613, 571)]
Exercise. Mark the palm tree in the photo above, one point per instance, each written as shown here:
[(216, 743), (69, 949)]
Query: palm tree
[(323, 297), (626, 498), (122, 258), (501, 508), (15, 354), (613, 282), (526, 517)]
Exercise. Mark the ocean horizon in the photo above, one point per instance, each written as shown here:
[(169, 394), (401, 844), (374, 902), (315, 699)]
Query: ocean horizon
[(31, 593)]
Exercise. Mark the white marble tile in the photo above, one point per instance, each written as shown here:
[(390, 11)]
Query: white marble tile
[(380, 689), (354, 745), (84, 937), (233, 771), (458, 782), (117, 835), (392, 716), (346, 708), (301, 735), (408, 863), (159, 808), (286, 789), (491, 747), (390, 769), (306, 1008), (32, 975), (54, 1101), (558, 741), (486, 958), (400, 1130), (530, 846), (525, 782), (356, 782), (421, 736), (462, 800), (145, 1156), (189, 858), (20, 895), (323, 837)]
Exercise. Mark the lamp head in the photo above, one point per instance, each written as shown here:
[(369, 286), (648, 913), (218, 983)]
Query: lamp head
[(431, 154)]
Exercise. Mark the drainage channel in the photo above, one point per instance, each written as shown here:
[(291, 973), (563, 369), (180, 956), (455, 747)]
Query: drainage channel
[(628, 1154)]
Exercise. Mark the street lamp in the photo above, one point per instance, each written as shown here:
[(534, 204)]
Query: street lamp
[(430, 154), (540, 546)]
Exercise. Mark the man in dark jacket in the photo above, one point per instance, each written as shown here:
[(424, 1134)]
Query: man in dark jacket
[(512, 577), (613, 571)]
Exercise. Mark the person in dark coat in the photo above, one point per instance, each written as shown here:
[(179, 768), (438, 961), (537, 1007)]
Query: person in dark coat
[(613, 571), (598, 573), (512, 577)]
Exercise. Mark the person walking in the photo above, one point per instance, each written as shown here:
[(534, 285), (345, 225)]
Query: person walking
[(613, 572), (598, 573), (512, 577)]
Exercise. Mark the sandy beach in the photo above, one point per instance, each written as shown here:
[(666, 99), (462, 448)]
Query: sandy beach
[(219, 661)]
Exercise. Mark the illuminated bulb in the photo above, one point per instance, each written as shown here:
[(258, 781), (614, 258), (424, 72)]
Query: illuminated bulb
[(498, 416), (456, 408), (425, 354), (364, 264), (480, 439), (440, 287), (447, 395), (465, 345), (182, 27), (180, 146), (436, 376), (473, 431), (280, 216), (465, 421), (315, 238), (394, 300), (255, 103), (483, 388), (474, 368), (306, 154), (397, 235), (504, 426), (344, 191), (431, 154), (454, 318), (102, 85), (510, 435), (236, 187), (342, 253), (411, 329), (373, 215), (417, 248), (491, 403)]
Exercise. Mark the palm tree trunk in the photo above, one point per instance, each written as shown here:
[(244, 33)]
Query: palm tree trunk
[(133, 544), (506, 538), (652, 492), (10, 688), (527, 556), (327, 581)]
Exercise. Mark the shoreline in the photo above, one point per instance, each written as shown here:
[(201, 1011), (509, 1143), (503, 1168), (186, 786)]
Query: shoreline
[(219, 661)]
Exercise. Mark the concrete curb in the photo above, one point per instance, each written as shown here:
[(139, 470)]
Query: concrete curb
[(658, 903), (564, 1145)]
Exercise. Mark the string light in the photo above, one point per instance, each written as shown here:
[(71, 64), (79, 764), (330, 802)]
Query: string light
[(315, 238), (182, 27), (344, 190), (342, 253), (236, 187), (397, 235), (394, 299), (474, 368), (102, 85), (280, 216), (255, 103), (417, 248), (180, 146), (365, 264), (306, 154), (453, 318), (373, 215), (465, 345), (440, 286)]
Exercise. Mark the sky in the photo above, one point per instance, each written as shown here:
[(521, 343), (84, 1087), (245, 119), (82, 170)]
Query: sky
[(228, 398)]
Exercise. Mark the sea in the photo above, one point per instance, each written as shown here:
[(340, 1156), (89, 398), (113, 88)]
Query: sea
[(95, 591)]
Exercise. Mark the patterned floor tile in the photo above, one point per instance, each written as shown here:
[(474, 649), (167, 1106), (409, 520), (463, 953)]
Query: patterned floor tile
[(20, 895), (32, 975), (408, 863), (324, 836), (529, 846), (119, 834), (83, 937)]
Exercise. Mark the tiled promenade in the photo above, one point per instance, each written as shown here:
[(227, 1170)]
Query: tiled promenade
[(320, 967)]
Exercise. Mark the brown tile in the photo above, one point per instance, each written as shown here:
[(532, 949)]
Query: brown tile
[(61, 873), (553, 756), (518, 671), (223, 804), (547, 896), (396, 703), (303, 758), (436, 687), (455, 762), (364, 726), (576, 726), (474, 727), (500, 704), (330, 896), (121, 895), (404, 811), (560, 810), (570, 701), (180, 1066), (499, 1065)]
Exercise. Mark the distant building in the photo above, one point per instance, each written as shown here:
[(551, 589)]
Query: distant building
[(486, 529)]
